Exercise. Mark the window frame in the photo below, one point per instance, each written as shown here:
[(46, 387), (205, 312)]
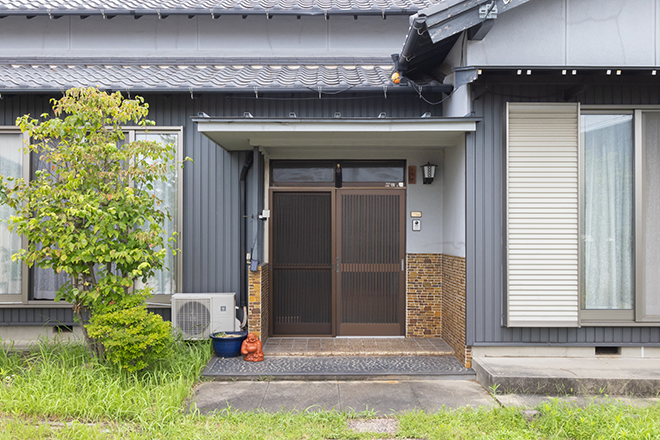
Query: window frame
[(635, 317), (164, 300), (160, 300), (22, 298)]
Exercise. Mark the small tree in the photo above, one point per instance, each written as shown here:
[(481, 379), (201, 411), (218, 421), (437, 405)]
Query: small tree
[(91, 213)]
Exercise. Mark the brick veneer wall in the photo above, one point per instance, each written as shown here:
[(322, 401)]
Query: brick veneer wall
[(424, 295), (258, 301), (453, 306), (435, 300)]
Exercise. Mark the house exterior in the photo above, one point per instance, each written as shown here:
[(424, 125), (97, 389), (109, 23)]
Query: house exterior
[(307, 158), (306, 195), (560, 174)]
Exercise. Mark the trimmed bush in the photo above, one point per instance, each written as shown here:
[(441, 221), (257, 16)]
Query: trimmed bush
[(132, 338)]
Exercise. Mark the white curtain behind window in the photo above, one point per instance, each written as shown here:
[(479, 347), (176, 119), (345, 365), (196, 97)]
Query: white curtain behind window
[(608, 211), (45, 282), (164, 281), (11, 165)]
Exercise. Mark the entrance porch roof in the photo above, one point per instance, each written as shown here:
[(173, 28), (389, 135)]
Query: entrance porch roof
[(244, 134)]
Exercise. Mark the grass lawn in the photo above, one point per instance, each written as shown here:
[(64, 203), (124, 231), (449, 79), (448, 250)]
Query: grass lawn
[(59, 392)]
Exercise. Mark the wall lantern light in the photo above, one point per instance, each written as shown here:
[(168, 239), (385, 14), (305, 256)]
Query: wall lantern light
[(429, 172)]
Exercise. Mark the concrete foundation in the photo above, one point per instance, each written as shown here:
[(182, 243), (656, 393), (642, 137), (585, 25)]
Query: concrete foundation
[(23, 336), (569, 352)]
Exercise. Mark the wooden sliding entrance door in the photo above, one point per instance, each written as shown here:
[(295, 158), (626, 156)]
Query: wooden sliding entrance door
[(302, 262), (337, 261), (370, 262)]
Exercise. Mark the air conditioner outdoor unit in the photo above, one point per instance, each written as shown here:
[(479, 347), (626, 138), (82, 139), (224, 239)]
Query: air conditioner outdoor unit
[(198, 315)]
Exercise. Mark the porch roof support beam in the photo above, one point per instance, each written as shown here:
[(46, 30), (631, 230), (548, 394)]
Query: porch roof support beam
[(244, 134)]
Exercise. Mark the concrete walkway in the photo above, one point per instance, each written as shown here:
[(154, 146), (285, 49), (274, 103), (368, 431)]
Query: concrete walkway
[(520, 382), (379, 397)]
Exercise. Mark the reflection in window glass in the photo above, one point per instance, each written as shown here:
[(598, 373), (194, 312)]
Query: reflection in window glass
[(651, 204), (302, 171), (608, 211), (11, 165), (355, 171), (164, 281)]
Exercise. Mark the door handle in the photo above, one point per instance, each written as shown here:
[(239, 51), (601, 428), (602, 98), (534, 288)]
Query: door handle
[(337, 264), (403, 266)]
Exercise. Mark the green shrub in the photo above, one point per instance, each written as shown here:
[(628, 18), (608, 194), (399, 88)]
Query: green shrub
[(133, 338)]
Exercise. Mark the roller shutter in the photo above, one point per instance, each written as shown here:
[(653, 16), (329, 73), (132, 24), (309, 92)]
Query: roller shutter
[(542, 215)]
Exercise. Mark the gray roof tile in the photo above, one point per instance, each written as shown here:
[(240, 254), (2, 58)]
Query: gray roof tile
[(56, 7), (173, 75)]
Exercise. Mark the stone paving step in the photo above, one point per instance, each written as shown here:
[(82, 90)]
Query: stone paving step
[(363, 346), (338, 368)]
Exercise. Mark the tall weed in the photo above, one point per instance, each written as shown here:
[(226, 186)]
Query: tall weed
[(64, 380)]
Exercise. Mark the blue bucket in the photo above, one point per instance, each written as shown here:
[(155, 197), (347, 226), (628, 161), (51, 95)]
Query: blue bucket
[(230, 346)]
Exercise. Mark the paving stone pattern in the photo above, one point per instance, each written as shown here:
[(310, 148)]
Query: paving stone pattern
[(337, 367)]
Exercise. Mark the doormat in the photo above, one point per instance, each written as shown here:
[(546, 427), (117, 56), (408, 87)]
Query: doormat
[(341, 367)]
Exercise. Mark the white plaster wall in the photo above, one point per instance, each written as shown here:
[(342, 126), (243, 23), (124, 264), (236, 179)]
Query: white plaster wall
[(202, 36), (428, 199), (453, 203), (612, 33)]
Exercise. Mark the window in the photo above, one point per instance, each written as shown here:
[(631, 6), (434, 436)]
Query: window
[(43, 284), (583, 229), (389, 173), (607, 211), (620, 213), (13, 163), (167, 281)]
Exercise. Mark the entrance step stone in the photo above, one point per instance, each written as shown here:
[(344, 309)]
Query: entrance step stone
[(362, 346), (338, 368)]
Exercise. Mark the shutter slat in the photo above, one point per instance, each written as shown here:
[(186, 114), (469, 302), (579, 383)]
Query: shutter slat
[(542, 215)]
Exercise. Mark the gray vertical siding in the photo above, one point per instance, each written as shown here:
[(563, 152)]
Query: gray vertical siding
[(210, 238), (485, 217)]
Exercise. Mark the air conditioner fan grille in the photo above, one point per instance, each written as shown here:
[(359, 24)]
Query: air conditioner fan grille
[(193, 317)]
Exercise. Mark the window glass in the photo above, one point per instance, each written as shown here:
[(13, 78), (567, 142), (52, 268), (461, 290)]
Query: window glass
[(11, 165), (164, 281), (45, 282), (363, 171), (651, 204), (300, 171), (608, 212)]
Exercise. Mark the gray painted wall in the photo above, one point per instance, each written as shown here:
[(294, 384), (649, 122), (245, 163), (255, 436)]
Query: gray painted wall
[(453, 202), (210, 248), (606, 33), (202, 36), (485, 232)]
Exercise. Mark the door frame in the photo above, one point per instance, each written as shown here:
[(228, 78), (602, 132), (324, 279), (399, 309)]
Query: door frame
[(336, 275), (372, 329), (333, 232)]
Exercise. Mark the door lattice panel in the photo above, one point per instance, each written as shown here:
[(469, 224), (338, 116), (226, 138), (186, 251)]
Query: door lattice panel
[(302, 271)]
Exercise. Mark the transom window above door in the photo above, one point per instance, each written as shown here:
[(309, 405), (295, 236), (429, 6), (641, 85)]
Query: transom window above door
[(338, 173)]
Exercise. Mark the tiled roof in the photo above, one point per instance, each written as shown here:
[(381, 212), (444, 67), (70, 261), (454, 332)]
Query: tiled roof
[(319, 7), (180, 76)]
